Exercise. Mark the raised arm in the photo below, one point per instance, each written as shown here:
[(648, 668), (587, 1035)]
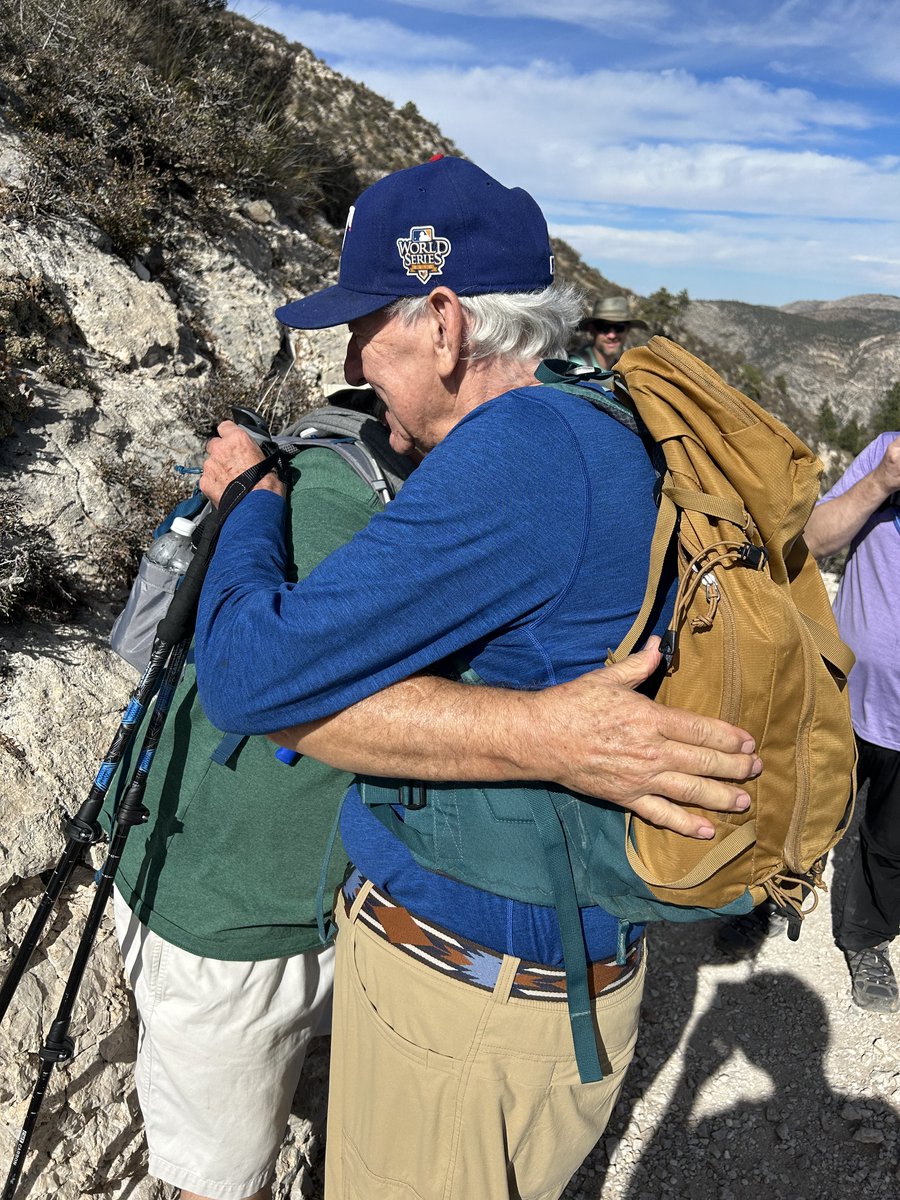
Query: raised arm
[(833, 524), (594, 735)]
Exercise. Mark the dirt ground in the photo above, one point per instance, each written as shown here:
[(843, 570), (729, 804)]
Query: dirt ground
[(754, 1079)]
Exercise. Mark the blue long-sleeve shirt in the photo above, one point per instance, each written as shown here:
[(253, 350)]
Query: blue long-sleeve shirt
[(520, 546), (520, 543)]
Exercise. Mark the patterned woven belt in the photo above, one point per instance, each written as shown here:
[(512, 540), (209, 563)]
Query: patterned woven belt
[(459, 958)]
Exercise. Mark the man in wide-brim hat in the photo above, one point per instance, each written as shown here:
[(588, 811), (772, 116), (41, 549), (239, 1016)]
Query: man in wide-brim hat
[(608, 326)]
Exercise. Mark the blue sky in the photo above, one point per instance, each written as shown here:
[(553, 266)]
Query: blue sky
[(746, 151)]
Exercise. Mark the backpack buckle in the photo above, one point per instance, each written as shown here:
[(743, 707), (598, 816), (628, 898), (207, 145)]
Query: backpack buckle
[(668, 644), (413, 795), (752, 556)]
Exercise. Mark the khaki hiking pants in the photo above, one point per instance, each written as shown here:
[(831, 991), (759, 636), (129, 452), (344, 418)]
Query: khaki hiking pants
[(441, 1090)]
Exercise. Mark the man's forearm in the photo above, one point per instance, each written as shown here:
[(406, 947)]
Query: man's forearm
[(424, 727), (594, 735), (835, 523)]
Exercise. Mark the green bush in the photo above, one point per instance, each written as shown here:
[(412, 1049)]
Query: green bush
[(886, 417), (662, 309), (852, 437), (828, 423)]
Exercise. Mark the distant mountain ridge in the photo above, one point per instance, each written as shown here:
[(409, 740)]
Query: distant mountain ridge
[(846, 351), (866, 301)]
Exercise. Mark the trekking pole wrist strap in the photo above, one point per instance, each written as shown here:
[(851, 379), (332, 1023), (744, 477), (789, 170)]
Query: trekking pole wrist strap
[(235, 492)]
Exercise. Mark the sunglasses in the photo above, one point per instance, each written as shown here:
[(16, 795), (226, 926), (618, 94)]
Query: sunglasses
[(610, 326)]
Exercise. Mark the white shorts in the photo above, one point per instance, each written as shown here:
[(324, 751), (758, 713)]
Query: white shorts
[(220, 1050)]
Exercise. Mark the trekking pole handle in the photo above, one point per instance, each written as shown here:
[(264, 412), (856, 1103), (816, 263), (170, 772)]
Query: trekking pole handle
[(178, 623)]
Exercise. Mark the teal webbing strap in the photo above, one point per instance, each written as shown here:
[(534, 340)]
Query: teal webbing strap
[(327, 932), (577, 380), (559, 869), (230, 744)]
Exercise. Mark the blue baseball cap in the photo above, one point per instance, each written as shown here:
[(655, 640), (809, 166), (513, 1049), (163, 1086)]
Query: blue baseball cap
[(446, 223)]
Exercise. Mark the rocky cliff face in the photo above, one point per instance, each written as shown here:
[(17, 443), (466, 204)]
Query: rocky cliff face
[(845, 351)]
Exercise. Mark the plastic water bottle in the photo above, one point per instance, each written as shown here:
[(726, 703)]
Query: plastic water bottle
[(174, 550)]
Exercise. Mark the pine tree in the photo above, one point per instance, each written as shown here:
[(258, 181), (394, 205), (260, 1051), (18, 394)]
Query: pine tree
[(828, 424), (886, 416), (851, 437)]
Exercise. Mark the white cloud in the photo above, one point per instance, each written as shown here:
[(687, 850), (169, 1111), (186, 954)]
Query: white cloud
[(599, 14), (544, 101), (734, 178), (848, 40), (332, 34), (663, 140), (813, 39), (832, 253)]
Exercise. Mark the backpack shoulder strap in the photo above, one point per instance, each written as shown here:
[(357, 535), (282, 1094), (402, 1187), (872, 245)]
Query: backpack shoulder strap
[(600, 388), (361, 440)]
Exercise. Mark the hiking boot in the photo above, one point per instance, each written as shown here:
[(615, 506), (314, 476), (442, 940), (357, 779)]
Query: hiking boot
[(741, 936), (874, 982)]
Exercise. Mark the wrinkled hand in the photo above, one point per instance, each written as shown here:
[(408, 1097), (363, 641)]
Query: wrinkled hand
[(229, 455), (655, 761)]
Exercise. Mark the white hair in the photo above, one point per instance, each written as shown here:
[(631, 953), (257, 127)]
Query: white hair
[(516, 325)]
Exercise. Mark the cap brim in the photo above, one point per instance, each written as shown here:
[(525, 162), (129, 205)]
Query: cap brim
[(333, 306)]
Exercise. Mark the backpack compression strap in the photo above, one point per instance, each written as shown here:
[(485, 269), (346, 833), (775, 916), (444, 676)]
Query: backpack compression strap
[(565, 900)]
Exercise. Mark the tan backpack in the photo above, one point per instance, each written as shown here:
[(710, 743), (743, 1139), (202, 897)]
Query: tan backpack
[(755, 641)]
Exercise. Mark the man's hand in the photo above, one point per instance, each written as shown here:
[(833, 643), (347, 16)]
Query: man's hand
[(229, 455), (887, 473), (595, 735), (612, 742)]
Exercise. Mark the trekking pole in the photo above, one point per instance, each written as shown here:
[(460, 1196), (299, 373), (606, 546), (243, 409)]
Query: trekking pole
[(83, 830), (170, 647), (59, 1047)]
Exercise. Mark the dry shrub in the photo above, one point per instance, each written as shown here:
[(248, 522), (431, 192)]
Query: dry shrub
[(33, 579), (131, 110), (283, 396), (145, 496), (36, 333)]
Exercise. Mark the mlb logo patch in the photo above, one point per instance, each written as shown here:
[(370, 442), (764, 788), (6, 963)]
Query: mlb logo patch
[(423, 253)]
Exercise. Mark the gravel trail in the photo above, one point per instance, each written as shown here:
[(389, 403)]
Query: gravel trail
[(754, 1079)]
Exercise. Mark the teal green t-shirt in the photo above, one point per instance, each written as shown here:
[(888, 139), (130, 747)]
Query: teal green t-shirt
[(229, 862)]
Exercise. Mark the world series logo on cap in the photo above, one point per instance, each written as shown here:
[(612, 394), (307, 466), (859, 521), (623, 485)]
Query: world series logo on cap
[(422, 253)]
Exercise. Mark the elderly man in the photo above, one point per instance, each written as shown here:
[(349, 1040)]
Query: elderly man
[(518, 550), (608, 326)]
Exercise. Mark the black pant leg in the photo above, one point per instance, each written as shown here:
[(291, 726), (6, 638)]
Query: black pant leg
[(871, 908)]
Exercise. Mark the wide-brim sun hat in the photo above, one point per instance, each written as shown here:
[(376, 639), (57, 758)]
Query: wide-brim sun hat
[(445, 222), (614, 309)]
